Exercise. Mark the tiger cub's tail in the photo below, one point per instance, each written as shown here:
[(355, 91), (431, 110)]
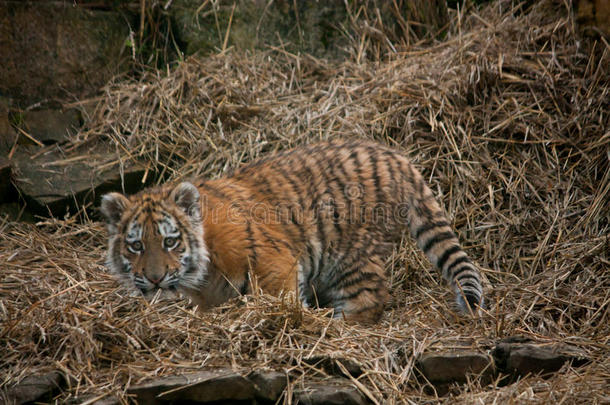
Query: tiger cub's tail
[(431, 229)]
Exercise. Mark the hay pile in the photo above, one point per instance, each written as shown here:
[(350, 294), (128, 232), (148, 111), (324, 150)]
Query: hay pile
[(507, 118)]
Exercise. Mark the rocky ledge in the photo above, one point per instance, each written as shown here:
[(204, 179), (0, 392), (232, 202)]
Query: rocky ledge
[(506, 362), (41, 166)]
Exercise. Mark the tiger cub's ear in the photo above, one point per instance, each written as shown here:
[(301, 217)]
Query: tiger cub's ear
[(186, 197), (112, 207)]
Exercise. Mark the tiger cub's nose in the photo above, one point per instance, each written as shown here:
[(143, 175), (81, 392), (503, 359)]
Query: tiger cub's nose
[(155, 279)]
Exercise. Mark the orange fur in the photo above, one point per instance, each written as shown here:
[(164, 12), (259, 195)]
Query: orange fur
[(317, 220)]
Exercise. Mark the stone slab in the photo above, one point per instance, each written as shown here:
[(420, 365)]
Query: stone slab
[(36, 388), (211, 385), (331, 365), (59, 49), (8, 135), (447, 367), (520, 360), (51, 126), (334, 391), (318, 28), (57, 183), (6, 187), (268, 385)]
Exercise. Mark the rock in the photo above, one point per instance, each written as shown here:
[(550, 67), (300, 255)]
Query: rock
[(54, 182), (148, 392), (51, 126), (211, 385), (112, 400), (511, 357), (57, 48), (14, 212), (318, 28), (268, 385), (214, 387), (330, 365), (96, 400), (335, 391), (36, 388), (522, 359), (448, 367), (6, 187), (8, 136)]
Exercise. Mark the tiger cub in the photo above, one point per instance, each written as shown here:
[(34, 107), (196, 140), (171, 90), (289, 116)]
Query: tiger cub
[(318, 220)]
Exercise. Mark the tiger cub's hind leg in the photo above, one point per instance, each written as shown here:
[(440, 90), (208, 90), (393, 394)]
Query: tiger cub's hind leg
[(361, 292)]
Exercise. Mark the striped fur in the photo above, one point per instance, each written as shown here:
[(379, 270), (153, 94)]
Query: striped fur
[(319, 219)]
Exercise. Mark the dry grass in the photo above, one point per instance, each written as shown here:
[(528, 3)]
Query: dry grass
[(508, 119)]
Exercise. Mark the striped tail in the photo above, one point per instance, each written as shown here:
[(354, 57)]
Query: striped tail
[(435, 237)]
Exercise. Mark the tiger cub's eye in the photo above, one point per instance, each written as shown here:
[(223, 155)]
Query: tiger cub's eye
[(170, 242), (135, 247)]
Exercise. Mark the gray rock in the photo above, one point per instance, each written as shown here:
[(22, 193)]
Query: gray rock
[(36, 388), (91, 400), (331, 365), (111, 400), (8, 136), (318, 28), (54, 49), (51, 126), (58, 183), (5, 180), (335, 391), (13, 211), (268, 385), (148, 392), (211, 385), (448, 367), (523, 359)]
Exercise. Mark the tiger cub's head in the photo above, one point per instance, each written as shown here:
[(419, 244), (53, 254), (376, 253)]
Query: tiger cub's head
[(156, 239)]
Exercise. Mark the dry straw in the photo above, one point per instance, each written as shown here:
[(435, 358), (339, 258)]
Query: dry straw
[(508, 119)]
